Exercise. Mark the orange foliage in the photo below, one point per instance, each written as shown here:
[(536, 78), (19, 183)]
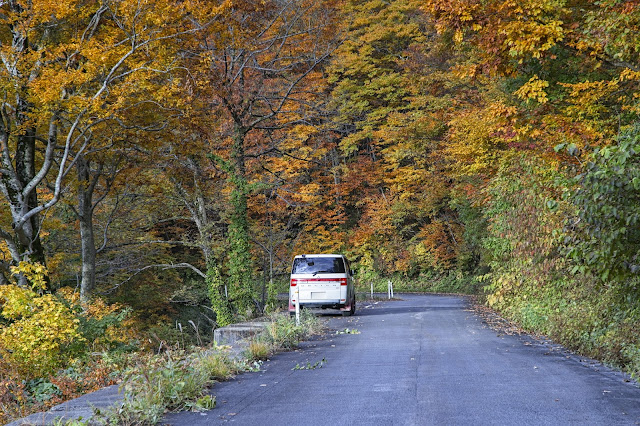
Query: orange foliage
[(441, 239)]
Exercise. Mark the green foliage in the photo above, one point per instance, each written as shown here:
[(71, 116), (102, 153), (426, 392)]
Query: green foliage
[(284, 332), (423, 146), (42, 390), (471, 254), (216, 293), (430, 281), (530, 279), (240, 265), (309, 366), (177, 380), (348, 331), (218, 363), (522, 244), (605, 237), (78, 422), (566, 310)]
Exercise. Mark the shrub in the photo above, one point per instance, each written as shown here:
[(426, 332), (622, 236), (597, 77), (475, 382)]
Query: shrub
[(13, 393), (40, 328), (605, 238), (104, 327)]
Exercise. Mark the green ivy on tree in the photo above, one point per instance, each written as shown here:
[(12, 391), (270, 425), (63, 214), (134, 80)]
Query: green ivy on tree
[(215, 286)]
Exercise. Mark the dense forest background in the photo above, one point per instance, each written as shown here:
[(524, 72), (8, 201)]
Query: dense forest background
[(163, 160)]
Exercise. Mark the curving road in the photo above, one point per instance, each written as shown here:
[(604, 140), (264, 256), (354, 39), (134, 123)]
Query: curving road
[(424, 360)]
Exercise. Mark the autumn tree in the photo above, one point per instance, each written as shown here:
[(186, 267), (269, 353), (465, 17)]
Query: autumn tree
[(253, 72), (391, 92), (70, 71)]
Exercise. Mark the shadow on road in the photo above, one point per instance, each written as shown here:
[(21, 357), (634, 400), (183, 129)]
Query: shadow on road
[(396, 307), (405, 309)]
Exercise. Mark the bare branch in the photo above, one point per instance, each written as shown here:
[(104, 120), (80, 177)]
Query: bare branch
[(163, 266)]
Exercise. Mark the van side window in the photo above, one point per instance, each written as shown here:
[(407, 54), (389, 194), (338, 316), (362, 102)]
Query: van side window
[(318, 265)]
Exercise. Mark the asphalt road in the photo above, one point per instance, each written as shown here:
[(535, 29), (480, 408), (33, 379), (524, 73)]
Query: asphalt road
[(424, 360)]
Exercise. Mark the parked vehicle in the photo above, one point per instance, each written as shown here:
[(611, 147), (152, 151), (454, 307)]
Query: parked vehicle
[(322, 281)]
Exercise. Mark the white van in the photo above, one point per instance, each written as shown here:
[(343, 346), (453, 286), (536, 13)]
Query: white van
[(322, 281)]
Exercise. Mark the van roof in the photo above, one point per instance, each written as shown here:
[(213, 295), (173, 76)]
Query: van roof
[(318, 255)]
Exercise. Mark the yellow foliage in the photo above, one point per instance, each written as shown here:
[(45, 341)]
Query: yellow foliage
[(479, 138), (439, 242), (629, 75), (34, 272), (310, 193), (41, 326), (119, 331), (4, 251), (526, 38), (587, 102), (534, 89)]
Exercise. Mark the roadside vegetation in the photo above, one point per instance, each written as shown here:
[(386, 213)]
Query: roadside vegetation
[(179, 380), (174, 378), (162, 161)]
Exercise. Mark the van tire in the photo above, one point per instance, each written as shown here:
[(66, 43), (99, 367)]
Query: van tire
[(351, 311)]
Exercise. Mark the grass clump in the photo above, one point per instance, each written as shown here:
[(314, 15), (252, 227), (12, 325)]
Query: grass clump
[(284, 333), (259, 350), (172, 381)]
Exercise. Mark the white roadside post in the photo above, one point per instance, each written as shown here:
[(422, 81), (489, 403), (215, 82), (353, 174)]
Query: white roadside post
[(371, 289), (389, 289), (297, 306), (391, 282)]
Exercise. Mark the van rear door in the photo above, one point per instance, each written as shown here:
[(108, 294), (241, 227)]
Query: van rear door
[(320, 280), (321, 290)]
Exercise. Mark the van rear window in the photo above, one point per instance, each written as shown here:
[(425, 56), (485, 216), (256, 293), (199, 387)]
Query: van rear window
[(318, 265)]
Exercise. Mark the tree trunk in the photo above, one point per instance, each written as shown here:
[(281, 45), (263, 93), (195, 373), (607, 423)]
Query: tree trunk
[(85, 217), (28, 235), (240, 271)]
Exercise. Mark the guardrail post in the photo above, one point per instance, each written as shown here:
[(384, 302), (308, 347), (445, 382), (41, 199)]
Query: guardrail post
[(297, 306)]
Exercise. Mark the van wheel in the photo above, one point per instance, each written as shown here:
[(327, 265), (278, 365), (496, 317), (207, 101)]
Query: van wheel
[(352, 310)]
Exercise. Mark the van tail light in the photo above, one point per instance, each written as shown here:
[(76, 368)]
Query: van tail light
[(343, 281), (294, 283)]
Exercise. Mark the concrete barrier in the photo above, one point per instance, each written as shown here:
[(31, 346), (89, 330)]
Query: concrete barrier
[(233, 333)]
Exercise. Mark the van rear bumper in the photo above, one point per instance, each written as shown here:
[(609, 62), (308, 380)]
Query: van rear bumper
[(321, 305)]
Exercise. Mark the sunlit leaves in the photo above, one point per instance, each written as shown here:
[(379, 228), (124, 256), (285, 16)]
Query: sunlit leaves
[(533, 89), (39, 326), (478, 139)]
